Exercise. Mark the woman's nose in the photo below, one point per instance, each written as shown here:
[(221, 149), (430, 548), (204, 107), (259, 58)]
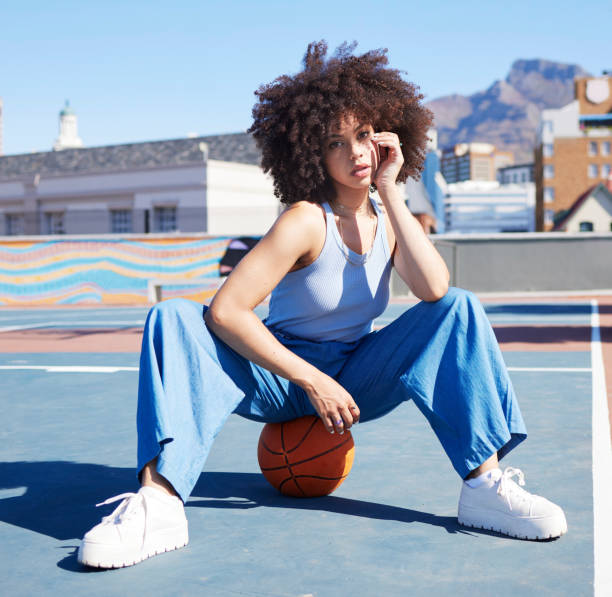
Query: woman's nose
[(356, 149)]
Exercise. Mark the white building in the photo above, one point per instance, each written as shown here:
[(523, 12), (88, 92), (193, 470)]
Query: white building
[(68, 130), (204, 184), (592, 211), (489, 207)]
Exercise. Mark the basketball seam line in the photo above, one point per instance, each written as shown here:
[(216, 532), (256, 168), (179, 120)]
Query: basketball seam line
[(287, 460), (314, 422), (289, 465)]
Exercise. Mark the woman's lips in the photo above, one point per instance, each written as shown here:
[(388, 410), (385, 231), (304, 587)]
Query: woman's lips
[(361, 171)]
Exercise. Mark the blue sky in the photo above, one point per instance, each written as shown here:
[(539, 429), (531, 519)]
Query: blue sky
[(137, 71)]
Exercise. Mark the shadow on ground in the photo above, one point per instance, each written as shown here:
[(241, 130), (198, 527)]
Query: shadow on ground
[(58, 499)]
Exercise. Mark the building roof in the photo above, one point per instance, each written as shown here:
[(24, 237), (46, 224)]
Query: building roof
[(67, 110), (237, 147), (517, 166), (578, 203)]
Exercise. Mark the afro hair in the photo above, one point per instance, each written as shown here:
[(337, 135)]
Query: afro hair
[(294, 114)]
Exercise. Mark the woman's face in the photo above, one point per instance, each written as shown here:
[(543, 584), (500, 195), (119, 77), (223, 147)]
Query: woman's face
[(349, 156)]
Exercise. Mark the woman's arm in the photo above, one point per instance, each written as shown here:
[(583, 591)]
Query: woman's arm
[(416, 259), (296, 233)]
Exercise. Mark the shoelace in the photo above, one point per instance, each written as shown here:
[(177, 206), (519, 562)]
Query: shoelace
[(132, 502), (506, 486)]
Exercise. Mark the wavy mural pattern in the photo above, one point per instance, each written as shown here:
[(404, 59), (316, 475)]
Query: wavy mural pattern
[(112, 271)]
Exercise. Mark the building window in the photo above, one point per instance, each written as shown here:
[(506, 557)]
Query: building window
[(13, 224), (548, 126), (605, 148), (549, 216), (592, 170), (549, 171), (164, 219), (548, 150), (549, 194), (592, 147), (54, 222), (121, 220), (586, 226)]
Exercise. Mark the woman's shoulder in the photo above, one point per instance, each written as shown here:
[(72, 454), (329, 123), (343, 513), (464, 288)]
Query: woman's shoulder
[(305, 214), (306, 208), (302, 224)]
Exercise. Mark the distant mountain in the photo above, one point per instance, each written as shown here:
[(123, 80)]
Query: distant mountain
[(508, 112)]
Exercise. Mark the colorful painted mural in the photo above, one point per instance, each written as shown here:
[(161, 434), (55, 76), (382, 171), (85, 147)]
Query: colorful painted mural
[(108, 270)]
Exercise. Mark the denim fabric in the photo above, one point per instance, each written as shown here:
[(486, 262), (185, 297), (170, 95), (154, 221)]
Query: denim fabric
[(442, 355)]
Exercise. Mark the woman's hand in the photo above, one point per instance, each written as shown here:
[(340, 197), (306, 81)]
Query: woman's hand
[(388, 150), (334, 405)]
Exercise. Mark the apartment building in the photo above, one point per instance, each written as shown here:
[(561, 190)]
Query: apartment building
[(516, 174), (473, 161), (573, 150)]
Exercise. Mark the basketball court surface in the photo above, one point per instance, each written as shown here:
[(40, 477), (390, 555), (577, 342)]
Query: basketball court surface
[(68, 403)]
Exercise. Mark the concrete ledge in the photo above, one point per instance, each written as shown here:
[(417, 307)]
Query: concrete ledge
[(517, 262), (155, 286)]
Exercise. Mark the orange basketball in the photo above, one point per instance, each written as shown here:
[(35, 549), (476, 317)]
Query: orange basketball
[(302, 459)]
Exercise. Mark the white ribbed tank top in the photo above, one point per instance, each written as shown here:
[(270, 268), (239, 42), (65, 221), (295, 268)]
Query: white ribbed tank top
[(339, 294)]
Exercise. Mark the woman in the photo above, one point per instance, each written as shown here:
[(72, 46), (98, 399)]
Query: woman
[(327, 135)]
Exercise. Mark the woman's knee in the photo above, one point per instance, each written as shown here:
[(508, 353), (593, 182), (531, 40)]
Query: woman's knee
[(176, 309), (458, 301), (455, 294)]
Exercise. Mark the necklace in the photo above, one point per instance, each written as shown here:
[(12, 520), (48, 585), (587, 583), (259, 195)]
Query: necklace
[(344, 247)]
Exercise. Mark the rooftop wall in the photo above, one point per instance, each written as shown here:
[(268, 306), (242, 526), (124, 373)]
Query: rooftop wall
[(525, 262)]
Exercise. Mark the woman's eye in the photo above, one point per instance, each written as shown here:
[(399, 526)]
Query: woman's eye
[(364, 134), (334, 144)]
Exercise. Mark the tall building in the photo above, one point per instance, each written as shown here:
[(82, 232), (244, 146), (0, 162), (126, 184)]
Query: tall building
[(68, 130), (473, 161), (573, 149), (425, 196)]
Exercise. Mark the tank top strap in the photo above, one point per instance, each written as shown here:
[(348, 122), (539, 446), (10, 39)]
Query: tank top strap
[(381, 229)]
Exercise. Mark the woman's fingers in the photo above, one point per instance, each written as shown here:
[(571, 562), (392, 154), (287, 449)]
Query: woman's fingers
[(355, 412), (328, 423), (334, 405), (343, 419), (339, 425)]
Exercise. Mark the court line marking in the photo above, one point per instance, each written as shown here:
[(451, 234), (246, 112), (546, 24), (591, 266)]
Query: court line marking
[(68, 368), (113, 369), (552, 369), (29, 326), (602, 465), (68, 325)]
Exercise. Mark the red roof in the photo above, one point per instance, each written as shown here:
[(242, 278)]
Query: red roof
[(576, 205)]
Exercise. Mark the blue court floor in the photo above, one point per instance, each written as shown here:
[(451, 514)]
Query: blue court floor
[(68, 441)]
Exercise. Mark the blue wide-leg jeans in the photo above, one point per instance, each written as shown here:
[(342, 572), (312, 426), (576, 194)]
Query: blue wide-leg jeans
[(442, 355)]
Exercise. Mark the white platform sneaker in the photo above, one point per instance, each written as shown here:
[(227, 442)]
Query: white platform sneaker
[(499, 504), (143, 525)]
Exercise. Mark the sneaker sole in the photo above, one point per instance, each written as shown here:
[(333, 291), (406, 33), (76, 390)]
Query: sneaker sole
[(96, 555), (550, 528)]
